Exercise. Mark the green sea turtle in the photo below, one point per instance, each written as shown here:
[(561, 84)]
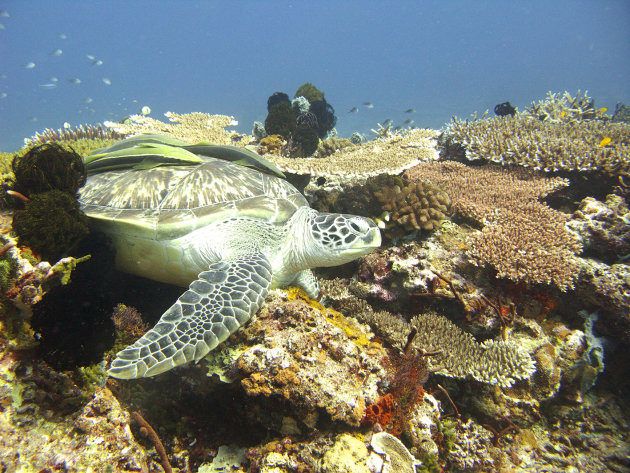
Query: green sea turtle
[(227, 231)]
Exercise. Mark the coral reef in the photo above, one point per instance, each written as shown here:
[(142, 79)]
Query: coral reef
[(545, 144), (281, 120), (338, 372), (95, 133), (530, 245), (419, 205), (48, 167), (332, 145), (272, 144), (51, 224), (309, 92), (522, 238), (191, 127), (390, 155), (563, 107)]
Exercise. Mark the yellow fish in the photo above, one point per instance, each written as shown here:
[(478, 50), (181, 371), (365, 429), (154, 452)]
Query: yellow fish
[(602, 110), (606, 141), (563, 114)]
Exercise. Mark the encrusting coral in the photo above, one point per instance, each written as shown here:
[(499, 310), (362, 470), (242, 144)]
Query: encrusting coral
[(190, 127)]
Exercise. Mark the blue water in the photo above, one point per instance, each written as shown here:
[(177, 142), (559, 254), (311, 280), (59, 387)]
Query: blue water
[(441, 58)]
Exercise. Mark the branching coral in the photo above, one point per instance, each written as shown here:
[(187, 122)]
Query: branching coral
[(522, 238), (460, 356), (530, 245), (545, 145), (81, 132), (191, 127), (564, 107)]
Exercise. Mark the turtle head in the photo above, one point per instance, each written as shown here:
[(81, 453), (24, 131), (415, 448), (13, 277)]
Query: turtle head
[(339, 238)]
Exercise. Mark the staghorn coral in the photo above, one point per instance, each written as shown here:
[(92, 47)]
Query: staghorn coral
[(564, 107), (190, 127), (531, 244), (545, 145), (419, 205), (521, 237), (79, 133), (390, 155)]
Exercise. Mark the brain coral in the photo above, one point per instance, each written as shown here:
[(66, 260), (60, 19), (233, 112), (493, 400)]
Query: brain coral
[(418, 205)]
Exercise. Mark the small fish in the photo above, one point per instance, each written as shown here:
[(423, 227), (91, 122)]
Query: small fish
[(3, 95), (29, 65), (2, 27), (388, 122), (353, 110), (53, 79), (90, 57), (563, 114), (106, 81), (74, 80), (602, 110), (62, 36), (4, 14), (33, 118), (56, 52), (88, 99), (605, 142), (3, 76), (146, 110), (368, 104), (97, 63), (49, 85), (410, 110), (408, 121)]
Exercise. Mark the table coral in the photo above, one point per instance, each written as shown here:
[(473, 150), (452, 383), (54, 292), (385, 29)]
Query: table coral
[(390, 155), (522, 238), (190, 127)]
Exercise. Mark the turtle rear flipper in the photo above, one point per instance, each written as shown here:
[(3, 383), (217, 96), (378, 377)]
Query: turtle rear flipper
[(215, 305)]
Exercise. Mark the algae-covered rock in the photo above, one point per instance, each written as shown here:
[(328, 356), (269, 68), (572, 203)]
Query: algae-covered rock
[(348, 455)]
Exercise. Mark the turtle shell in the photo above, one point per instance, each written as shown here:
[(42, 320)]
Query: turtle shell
[(167, 202)]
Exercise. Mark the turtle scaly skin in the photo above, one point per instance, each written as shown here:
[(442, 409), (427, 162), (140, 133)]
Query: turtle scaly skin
[(229, 232)]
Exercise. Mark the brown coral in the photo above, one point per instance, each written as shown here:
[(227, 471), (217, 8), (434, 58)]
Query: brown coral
[(522, 238), (529, 244), (272, 144), (419, 205)]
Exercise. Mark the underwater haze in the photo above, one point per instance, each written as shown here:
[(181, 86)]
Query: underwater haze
[(87, 62)]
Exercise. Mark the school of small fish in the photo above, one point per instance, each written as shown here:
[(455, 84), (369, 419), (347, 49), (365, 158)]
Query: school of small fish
[(52, 83)]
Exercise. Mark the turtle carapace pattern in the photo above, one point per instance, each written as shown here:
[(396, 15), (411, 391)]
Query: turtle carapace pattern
[(227, 231)]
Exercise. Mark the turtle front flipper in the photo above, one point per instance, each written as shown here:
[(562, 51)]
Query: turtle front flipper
[(215, 305)]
